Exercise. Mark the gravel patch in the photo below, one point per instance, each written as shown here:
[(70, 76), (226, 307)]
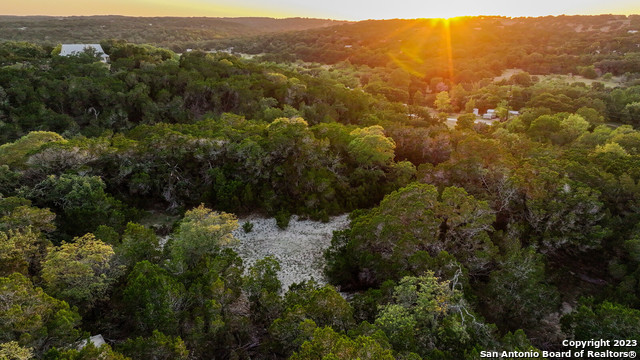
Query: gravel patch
[(299, 248)]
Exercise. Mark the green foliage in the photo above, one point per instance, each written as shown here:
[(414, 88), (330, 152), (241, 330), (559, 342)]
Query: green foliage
[(22, 252), (371, 148), (428, 317), (588, 71), (325, 343), (593, 321), (282, 219), (290, 331), (157, 130), (81, 272), (202, 232), (263, 288), (465, 121), (153, 298), (139, 243), (263, 277), (18, 214), (17, 153), (518, 294), (89, 352), (82, 202), (592, 115), (324, 305), (408, 221), (522, 78), (107, 235), (544, 127), (158, 346), (32, 318), (443, 102), (563, 214), (247, 226), (13, 351)]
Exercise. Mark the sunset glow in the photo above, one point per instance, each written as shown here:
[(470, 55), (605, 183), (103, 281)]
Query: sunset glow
[(352, 10)]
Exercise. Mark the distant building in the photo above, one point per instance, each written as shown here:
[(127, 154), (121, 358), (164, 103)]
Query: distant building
[(476, 112), (514, 113), (491, 114), (76, 49), (632, 31), (96, 340)]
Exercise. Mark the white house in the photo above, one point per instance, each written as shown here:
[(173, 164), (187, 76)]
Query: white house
[(96, 340), (491, 114), (76, 49)]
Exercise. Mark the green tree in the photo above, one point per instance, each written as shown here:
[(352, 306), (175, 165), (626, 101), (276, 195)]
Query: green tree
[(158, 347), (592, 116), (22, 252), (465, 121), (371, 148), (201, 232), (518, 294), (572, 128), (469, 106), (429, 317), (600, 321), (17, 213), (544, 127), (17, 153), (443, 102), (81, 272), (89, 352), (81, 200), (13, 351), (263, 289), (408, 221), (325, 343), (32, 318), (564, 215), (324, 305), (154, 298), (139, 243)]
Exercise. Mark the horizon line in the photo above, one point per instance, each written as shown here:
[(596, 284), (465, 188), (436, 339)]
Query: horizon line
[(313, 18)]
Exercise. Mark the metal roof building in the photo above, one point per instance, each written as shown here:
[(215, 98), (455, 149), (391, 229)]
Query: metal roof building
[(76, 49)]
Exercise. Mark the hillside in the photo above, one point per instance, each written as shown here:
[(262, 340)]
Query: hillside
[(464, 49), (164, 31)]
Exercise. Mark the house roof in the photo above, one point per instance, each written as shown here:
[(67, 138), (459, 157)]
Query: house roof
[(74, 49)]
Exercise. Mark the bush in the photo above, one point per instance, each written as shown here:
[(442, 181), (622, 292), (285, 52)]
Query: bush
[(282, 219), (247, 227)]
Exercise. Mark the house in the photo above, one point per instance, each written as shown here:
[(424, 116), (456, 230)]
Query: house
[(476, 112), (491, 114), (76, 49), (96, 340)]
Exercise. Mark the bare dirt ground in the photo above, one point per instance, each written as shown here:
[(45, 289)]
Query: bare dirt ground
[(299, 248)]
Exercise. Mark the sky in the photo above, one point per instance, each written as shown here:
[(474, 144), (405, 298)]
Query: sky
[(334, 9)]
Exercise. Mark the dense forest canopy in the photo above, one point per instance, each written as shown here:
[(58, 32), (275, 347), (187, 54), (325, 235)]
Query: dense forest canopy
[(510, 233), (171, 32)]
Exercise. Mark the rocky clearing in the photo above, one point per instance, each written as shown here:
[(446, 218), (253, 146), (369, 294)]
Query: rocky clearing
[(299, 248)]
